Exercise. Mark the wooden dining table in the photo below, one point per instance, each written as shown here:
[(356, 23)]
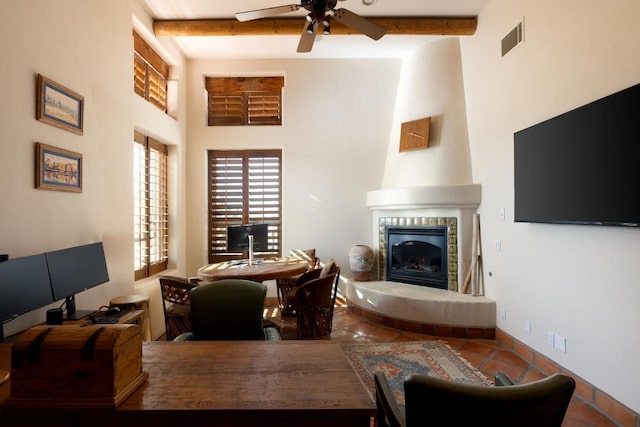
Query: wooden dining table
[(226, 383), (258, 271)]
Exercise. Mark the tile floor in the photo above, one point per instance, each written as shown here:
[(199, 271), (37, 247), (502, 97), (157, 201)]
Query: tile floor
[(489, 356)]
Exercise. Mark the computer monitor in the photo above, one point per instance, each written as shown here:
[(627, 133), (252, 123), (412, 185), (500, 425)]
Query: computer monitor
[(74, 270), (24, 286), (238, 237)]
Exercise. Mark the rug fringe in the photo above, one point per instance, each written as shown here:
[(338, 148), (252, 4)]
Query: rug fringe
[(466, 362)]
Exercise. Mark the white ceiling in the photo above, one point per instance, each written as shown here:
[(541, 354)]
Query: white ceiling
[(332, 46)]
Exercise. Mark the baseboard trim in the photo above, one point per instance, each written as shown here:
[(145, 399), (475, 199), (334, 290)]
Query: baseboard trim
[(588, 393)]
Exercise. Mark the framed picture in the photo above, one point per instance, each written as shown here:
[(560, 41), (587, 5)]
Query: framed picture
[(58, 169), (59, 106)]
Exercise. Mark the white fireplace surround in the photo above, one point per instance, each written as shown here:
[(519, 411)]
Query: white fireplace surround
[(428, 305)]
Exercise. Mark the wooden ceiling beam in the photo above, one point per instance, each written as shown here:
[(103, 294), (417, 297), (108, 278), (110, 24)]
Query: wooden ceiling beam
[(293, 26)]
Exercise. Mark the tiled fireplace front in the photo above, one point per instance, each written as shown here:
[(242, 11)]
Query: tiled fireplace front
[(451, 224)]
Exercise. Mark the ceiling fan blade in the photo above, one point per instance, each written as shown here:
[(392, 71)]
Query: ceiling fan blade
[(306, 39), (359, 23), (262, 13)]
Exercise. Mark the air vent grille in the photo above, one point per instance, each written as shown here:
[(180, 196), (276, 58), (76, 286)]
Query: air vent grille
[(512, 39)]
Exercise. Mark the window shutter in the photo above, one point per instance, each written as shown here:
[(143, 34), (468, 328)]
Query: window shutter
[(241, 101), (139, 75), (151, 207), (150, 73), (244, 187), (140, 221), (226, 110), (158, 208)]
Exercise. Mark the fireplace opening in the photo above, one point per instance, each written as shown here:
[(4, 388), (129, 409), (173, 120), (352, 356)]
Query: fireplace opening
[(417, 255)]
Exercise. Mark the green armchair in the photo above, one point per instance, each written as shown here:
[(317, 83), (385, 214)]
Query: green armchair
[(230, 309), (434, 401)]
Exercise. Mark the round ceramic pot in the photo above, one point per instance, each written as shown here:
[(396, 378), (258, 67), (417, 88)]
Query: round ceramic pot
[(361, 262)]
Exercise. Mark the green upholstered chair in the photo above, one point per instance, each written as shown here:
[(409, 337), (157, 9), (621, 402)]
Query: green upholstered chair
[(229, 309), (434, 401)]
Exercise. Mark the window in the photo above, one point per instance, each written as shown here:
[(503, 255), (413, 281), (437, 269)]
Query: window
[(245, 187), (150, 73), (244, 101), (150, 204)]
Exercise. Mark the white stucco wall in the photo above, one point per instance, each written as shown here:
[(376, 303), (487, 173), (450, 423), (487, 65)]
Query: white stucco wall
[(431, 86), (336, 121), (580, 282), (68, 42)]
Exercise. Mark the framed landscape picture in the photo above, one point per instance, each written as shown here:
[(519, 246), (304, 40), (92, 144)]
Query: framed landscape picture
[(58, 169), (59, 106)]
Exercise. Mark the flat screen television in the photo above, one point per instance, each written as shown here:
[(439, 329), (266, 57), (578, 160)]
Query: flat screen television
[(238, 237), (582, 167), (24, 287), (74, 270)]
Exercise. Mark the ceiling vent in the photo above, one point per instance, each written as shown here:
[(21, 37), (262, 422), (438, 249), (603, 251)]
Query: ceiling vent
[(512, 39)]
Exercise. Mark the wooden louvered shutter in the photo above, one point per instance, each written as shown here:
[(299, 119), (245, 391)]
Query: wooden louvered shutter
[(243, 101), (150, 73), (245, 187), (151, 206)]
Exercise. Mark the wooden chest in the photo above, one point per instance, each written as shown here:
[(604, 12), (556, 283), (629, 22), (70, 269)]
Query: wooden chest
[(92, 366)]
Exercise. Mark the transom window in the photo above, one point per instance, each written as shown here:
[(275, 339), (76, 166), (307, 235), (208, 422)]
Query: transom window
[(150, 73), (244, 101)]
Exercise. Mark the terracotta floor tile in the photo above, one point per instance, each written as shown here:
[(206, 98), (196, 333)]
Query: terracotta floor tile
[(488, 356)]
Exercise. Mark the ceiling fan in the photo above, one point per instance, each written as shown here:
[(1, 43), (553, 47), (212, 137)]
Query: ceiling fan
[(320, 12)]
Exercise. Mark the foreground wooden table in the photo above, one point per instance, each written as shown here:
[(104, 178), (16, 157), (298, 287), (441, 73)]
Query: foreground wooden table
[(259, 272), (224, 383)]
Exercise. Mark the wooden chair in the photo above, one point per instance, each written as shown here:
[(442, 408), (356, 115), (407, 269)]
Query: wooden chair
[(434, 401), (314, 304), (176, 294), (229, 309), (286, 287)]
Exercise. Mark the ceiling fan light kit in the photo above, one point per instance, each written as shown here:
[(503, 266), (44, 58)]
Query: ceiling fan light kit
[(320, 11)]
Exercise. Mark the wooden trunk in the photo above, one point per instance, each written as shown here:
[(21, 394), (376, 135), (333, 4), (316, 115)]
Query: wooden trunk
[(92, 366)]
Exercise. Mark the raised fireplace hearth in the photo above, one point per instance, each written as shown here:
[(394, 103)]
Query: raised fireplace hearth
[(442, 310)]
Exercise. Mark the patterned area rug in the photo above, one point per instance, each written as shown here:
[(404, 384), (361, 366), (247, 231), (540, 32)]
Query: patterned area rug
[(401, 359)]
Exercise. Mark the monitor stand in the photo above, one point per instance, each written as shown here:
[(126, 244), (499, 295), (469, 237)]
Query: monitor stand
[(72, 313)]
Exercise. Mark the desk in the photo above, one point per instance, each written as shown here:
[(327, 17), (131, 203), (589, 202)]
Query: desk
[(258, 272), (229, 383)]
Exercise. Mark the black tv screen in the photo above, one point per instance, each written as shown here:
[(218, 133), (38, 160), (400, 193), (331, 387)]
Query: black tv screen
[(24, 285), (582, 167), (238, 237), (76, 269)]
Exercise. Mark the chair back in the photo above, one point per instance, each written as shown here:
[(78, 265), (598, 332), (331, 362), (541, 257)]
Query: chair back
[(314, 302), (229, 309), (176, 294), (541, 403)]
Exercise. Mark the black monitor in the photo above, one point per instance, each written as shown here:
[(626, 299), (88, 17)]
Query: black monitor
[(74, 270), (238, 237), (24, 286)]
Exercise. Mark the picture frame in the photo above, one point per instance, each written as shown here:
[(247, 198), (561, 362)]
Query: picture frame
[(59, 106), (58, 169)]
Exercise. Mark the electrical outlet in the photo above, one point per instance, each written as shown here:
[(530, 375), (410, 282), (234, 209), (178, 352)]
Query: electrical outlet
[(497, 245), (550, 338), (527, 326), (560, 343), (503, 313)]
